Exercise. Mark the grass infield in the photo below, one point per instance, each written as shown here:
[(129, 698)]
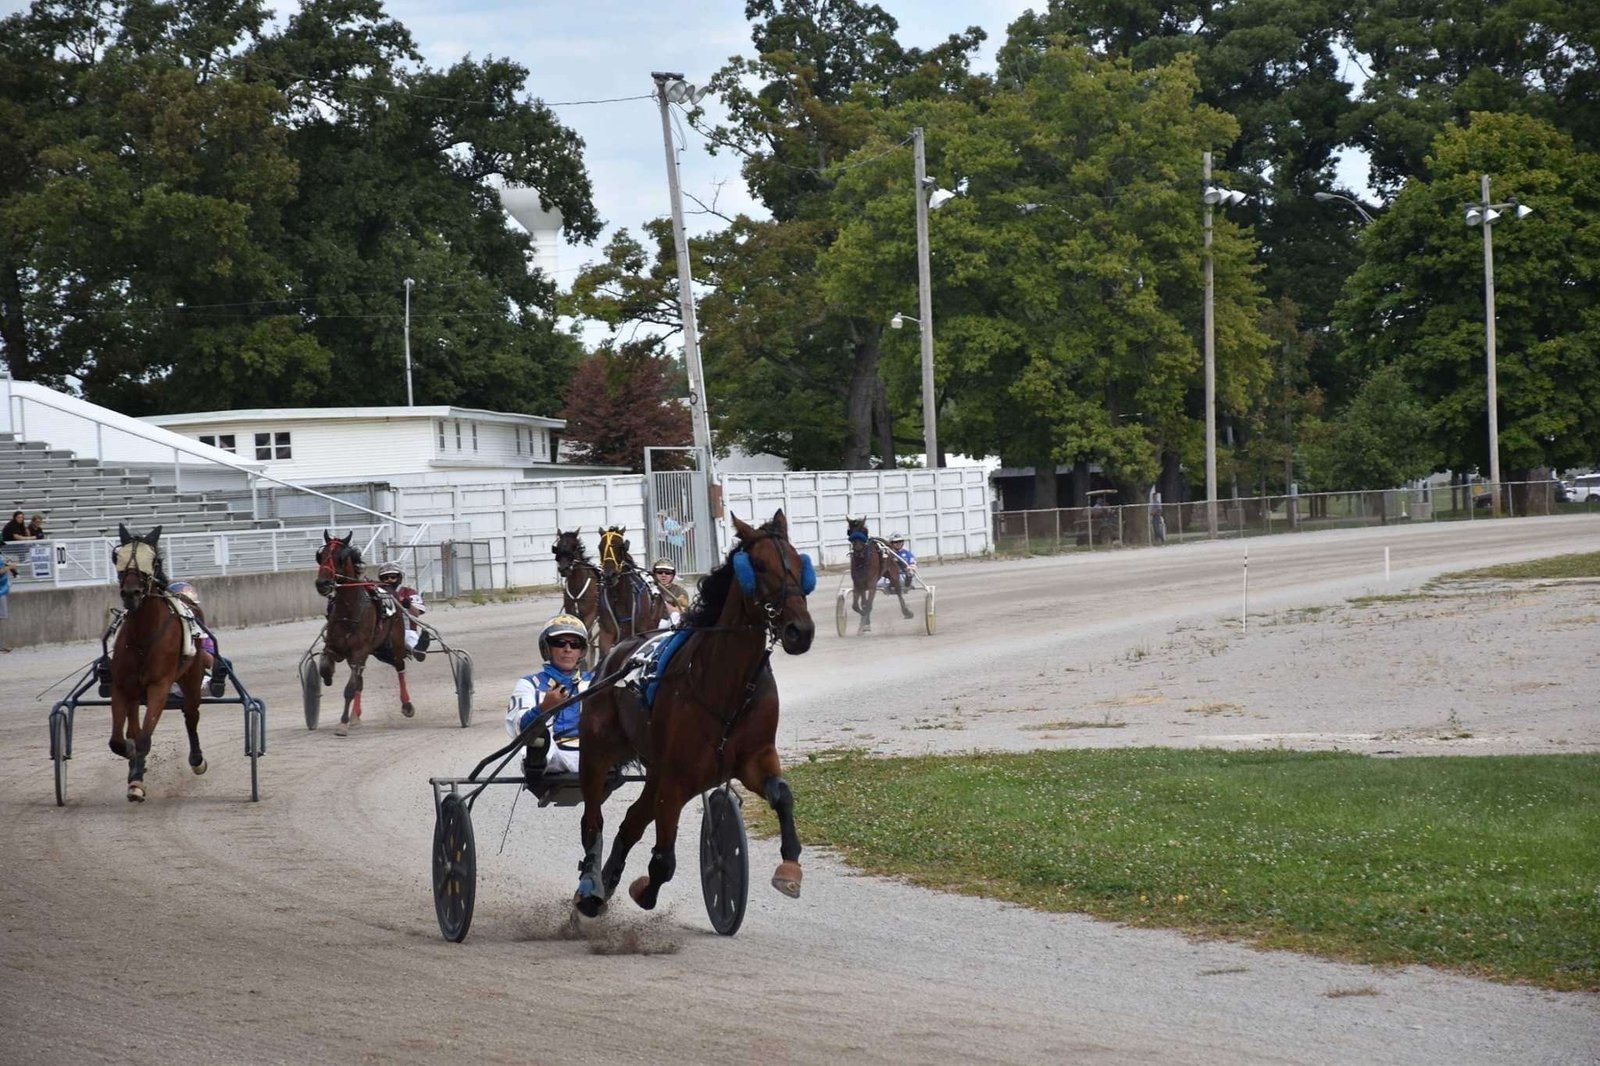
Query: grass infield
[(1586, 564), (1487, 865)]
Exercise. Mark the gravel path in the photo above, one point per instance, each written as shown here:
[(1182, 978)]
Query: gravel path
[(201, 928)]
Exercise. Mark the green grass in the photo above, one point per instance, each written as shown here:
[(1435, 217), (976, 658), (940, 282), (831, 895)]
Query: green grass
[(1484, 865), (1586, 564)]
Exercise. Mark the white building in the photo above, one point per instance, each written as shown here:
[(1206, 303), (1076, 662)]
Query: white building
[(403, 446)]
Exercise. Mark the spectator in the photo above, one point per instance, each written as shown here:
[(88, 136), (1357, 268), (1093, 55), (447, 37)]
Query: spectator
[(36, 527), (7, 571), (16, 529)]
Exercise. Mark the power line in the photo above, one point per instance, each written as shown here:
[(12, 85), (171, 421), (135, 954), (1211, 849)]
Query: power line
[(715, 138)]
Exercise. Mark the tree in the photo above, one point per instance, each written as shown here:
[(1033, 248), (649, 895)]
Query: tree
[(1416, 303), (620, 402), (1376, 443)]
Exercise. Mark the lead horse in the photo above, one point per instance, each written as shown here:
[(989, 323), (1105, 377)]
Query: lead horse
[(357, 627), (580, 581), (872, 561), (147, 658), (714, 715)]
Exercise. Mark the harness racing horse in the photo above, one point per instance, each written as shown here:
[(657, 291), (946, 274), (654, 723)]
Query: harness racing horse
[(357, 627), (870, 560), (148, 657), (714, 715), (580, 579), (629, 604)]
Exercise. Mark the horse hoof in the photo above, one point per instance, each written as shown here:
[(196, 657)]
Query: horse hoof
[(408, 709), (907, 614), (637, 889), (199, 768), (136, 792), (342, 729), (787, 879), (588, 906)]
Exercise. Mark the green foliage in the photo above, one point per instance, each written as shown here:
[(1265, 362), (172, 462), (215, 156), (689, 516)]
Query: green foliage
[(1416, 303), (1379, 442), (1476, 864), (199, 212), (619, 403)]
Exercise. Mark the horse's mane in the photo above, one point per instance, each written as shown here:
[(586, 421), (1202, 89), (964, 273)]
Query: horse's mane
[(577, 544), (712, 594)]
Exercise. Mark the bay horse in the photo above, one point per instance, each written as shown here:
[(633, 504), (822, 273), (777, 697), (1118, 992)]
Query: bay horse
[(147, 658), (580, 582), (714, 716), (630, 604), (356, 627), (870, 560)]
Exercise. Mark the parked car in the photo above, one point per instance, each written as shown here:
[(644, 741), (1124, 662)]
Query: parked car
[(1563, 491), (1586, 489)]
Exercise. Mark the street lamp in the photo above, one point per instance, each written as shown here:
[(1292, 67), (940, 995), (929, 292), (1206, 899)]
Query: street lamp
[(1212, 196), (929, 198), (1329, 197), (1484, 214), (409, 283)]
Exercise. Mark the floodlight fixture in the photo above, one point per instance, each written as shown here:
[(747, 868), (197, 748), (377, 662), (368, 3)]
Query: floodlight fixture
[(900, 319), (938, 198)]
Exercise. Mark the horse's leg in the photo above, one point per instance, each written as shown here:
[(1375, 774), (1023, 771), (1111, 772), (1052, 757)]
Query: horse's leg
[(397, 651), (867, 596), (155, 701), (670, 798), (352, 698), (628, 833), (899, 590), (764, 773), (590, 898), (191, 717), (325, 663)]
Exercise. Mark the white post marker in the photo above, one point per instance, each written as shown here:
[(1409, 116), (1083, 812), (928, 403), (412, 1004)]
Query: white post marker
[(1244, 612), (1386, 565)]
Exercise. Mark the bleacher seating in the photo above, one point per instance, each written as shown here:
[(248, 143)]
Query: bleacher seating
[(85, 498)]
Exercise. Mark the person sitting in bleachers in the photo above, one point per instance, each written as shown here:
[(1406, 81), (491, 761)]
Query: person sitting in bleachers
[(36, 527), (16, 529)]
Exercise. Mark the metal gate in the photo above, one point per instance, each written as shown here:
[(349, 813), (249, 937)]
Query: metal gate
[(679, 510)]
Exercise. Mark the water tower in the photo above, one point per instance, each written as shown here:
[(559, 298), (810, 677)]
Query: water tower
[(543, 224)]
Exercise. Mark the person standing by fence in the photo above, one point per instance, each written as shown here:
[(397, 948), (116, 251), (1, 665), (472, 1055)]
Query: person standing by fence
[(1158, 520), (7, 572)]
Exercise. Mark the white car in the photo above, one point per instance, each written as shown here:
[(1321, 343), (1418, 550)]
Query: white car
[(1586, 489)]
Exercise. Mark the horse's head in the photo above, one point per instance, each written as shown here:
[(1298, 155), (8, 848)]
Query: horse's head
[(856, 531), (138, 563), (568, 550), (614, 557), (776, 578), (338, 561)]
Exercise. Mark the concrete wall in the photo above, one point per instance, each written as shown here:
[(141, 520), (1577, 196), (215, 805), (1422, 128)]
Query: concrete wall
[(54, 616)]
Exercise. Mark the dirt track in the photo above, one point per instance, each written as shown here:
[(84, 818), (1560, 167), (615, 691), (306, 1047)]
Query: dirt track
[(201, 928)]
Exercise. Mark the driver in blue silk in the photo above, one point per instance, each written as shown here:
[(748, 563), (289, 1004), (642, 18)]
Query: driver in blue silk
[(562, 643)]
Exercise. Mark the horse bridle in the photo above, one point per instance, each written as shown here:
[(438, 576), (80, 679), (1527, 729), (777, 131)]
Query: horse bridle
[(790, 584), (132, 561), (329, 557)]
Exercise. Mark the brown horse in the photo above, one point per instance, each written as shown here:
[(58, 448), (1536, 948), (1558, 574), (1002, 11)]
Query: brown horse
[(714, 717), (580, 580), (630, 604), (357, 627), (871, 560), (147, 658)]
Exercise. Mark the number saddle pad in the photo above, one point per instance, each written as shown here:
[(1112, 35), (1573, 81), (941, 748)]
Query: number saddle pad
[(649, 662)]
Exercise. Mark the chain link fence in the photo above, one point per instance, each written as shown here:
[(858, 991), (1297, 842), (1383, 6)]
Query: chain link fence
[(1097, 527)]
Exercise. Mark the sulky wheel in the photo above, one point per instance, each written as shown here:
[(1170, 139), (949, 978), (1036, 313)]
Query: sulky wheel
[(455, 868), (255, 742), (60, 748), (724, 861), (841, 614), (311, 690), (461, 666), (928, 615)]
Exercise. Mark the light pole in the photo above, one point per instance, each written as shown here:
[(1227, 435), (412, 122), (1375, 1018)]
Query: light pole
[(1329, 197), (925, 203), (409, 283), (1212, 196), (672, 89), (1484, 214)]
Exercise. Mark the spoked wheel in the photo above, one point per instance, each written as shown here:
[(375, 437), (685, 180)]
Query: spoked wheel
[(930, 618), (724, 861), (455, 868), (255, 743), (841, 613), (60, 748), (461, 667), (311, 690)]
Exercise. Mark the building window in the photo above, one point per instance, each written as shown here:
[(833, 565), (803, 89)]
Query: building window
[(474, 436), (273, 446), (219, 440), (517, 432), (531, 450), (458, 435), (441, 434)]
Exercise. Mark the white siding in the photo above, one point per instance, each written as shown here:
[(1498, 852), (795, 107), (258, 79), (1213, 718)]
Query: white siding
[(337, 451)]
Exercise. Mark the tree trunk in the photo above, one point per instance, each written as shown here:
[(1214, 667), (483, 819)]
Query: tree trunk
[(885, 424), (1044, 485), (14, 327), (859, 402)]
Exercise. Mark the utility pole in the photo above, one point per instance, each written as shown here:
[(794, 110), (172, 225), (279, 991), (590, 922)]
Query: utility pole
[(1488, 344), (1211, 372), (409, 283), (691, 334), (930, 430)]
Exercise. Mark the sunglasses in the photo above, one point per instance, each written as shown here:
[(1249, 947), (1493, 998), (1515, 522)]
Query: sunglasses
[(664, 570), (556, 642)]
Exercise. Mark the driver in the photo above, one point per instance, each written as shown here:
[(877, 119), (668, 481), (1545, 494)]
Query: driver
[(665, 572), (562, 643), (908, 559), (410, 601)]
